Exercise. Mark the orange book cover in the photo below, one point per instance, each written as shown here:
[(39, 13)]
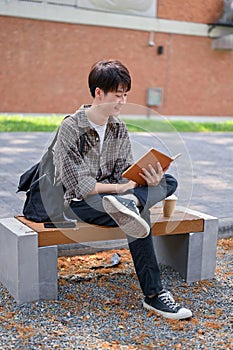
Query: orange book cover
[(151, 157)]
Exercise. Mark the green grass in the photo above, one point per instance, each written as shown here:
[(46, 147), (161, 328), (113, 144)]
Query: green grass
[(29, 123), (178, 125), (19, 123)]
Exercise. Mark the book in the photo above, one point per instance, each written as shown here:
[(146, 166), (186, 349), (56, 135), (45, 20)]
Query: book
[(151, 157)]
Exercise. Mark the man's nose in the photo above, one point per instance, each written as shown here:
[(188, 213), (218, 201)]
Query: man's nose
[(122, 99)]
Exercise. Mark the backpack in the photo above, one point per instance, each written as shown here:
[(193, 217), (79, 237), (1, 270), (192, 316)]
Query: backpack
[(44, 197)]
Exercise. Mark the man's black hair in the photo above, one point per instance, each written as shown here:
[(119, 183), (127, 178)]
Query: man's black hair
[(108, 75)]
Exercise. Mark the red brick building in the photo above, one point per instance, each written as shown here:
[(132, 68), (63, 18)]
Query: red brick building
[(47, 49)]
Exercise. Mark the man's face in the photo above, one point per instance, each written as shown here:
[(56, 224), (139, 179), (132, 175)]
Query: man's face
[(114, 101)]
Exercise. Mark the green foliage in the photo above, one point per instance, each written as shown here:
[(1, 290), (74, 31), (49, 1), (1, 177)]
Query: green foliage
[(20, 123)]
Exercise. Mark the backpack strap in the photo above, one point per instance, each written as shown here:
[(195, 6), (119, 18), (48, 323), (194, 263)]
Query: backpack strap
[(50, 148)]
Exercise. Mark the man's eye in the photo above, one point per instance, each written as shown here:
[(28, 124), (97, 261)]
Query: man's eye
[(122, 95)]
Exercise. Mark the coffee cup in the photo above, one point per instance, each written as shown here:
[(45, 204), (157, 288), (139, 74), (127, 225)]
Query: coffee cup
[(169, 206)]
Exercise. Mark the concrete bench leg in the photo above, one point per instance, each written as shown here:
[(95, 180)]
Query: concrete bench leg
[(27, 272), (48, 272), (19, 260), (193, 255)]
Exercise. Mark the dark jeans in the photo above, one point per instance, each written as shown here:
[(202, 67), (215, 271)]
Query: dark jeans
[(91, 211)]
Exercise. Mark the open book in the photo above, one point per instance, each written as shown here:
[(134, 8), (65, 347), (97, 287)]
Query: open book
[(151, 157)]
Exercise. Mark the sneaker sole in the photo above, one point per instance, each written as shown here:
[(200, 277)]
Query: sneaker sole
[(137, 228), (184, 313)]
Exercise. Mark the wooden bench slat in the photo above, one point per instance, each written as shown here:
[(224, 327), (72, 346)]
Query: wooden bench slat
[(180, 223)]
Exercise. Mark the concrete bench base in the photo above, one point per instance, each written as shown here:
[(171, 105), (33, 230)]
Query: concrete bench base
[(29, 271)]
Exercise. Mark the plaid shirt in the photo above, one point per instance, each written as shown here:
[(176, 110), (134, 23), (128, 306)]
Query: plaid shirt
[(80, 172)]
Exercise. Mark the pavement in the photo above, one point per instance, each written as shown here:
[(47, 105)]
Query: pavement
[(204, 171)]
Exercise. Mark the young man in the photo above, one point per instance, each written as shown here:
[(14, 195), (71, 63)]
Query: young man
[(92, 151)]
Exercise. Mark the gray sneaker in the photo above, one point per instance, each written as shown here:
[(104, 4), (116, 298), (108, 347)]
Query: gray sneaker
[(126, 214)]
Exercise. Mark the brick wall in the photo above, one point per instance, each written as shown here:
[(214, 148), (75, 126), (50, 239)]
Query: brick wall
[(200, 11), (44, 66)]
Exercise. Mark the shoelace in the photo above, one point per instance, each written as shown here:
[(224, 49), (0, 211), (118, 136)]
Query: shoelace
[(167, 299), (133, 206)]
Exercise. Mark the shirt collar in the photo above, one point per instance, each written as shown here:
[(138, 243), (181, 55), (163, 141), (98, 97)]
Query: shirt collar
[(83, 121)]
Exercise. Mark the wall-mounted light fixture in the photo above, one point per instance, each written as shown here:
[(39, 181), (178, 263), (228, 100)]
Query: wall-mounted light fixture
[(151, 43), (160, 50)]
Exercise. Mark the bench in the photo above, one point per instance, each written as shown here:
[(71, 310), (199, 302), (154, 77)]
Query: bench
[(28, 252)]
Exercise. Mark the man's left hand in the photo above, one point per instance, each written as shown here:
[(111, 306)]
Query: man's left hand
[(153, 175)]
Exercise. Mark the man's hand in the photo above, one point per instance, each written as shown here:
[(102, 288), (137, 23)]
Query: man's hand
[(154, 175)]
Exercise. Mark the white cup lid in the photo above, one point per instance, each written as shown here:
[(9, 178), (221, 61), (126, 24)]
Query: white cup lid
[(172, 197)]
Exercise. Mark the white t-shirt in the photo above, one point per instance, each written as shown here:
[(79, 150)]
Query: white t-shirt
[(100, 129)]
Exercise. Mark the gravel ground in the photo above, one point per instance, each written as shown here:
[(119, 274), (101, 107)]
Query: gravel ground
[(100, 307)]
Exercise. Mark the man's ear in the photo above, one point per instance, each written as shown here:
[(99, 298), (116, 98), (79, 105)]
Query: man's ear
[(99, 93)]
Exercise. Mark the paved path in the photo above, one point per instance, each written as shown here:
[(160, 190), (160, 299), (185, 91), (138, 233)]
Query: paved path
[(204, 171)]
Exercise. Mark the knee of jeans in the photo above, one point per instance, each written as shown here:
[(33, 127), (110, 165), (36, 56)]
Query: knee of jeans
[(171, 184)]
